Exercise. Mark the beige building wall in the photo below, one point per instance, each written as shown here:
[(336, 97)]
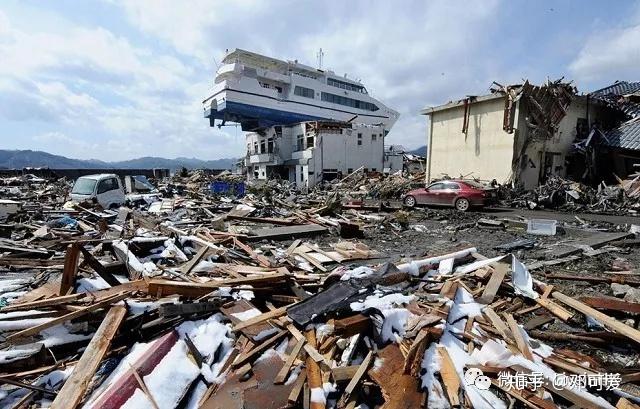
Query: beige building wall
[(485, 152)]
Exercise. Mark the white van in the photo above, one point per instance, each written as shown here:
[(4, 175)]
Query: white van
[(105, 188)]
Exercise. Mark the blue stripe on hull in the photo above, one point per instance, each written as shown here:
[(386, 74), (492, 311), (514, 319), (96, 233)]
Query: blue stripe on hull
[(238, 112)]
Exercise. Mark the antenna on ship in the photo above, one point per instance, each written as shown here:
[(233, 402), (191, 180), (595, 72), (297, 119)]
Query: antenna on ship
[(320, 55)]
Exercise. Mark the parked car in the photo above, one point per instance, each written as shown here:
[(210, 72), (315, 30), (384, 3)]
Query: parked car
[(104, 188), (461, 194)]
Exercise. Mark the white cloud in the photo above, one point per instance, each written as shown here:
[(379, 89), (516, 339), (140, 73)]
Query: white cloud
[(609, 55)]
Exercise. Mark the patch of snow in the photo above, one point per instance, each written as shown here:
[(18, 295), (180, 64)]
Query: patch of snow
[(358, 273), (293, 375), (22, 324), (377, 300), (317, 395), (90, 285), (393, 326), (248, 314)]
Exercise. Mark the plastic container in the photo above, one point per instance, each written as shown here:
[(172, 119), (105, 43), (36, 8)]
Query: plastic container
[(542, 227)]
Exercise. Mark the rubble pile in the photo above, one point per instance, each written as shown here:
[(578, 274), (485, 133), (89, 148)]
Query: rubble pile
[(206, 300), (567, 195)]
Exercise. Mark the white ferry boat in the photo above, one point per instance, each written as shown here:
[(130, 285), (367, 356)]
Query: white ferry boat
[(258, 91)]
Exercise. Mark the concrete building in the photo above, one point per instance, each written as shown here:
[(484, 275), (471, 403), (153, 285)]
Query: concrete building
[(309, 152), (518, 134)]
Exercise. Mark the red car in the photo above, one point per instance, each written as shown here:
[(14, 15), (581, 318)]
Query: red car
[(461, 194)]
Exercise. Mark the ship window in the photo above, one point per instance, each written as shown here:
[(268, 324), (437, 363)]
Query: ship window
[(345, 85), (300, 142), (359, 139), (374, 137), (339, 99), (303, 92)]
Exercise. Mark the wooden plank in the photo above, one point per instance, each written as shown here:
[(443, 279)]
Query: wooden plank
[(309, 349), (497, 277), (497, 322), (613, 304), (189, 265), (555, 309), (48, 302), (344, 373), (172, 310), (626, 404), (604, 319), (159, 287), (522, 344), (293, 246), (537, 321), (314, 376), (71, 259), (255, 352), (351, 386), (450, 377), (297, 387), (286, 232), (72, 315), (97, 266), (284, 371), (75, 386), (349, 326), (261, 318)]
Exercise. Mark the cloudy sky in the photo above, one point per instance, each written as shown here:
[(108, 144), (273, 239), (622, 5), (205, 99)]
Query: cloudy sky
[(118, 79)]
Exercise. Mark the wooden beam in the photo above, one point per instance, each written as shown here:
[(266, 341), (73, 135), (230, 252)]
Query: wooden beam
[(97, 266), (71, 259), (499, 272), (75, 386), (450, 377), (284, 371), (158, 287), (522, 344), (253, 353), (356, 378), (314, 376), (47, 302), (261, 318), (606, 320), (72, 315)]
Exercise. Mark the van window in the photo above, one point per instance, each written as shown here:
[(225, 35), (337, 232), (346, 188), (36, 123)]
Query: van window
[(107, 185), (84, 186)]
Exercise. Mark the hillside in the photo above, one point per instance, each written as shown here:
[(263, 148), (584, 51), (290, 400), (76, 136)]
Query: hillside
[(18, 159)]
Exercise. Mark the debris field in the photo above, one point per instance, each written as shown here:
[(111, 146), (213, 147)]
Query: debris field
[(331, 299)]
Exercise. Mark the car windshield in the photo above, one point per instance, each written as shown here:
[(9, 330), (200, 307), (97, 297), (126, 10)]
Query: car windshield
[(84, 186)]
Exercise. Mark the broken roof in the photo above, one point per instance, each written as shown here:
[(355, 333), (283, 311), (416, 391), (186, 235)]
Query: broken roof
[(618, 88), (626, 136)]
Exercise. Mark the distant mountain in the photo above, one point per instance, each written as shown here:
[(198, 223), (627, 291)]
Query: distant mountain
[(421, 151), (37, 159)]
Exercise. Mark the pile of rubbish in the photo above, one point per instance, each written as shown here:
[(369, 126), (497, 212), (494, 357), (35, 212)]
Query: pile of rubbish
[(567, 195), (201, 300)]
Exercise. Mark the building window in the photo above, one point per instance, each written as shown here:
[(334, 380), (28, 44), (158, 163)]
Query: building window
[(255, 147), (300, 142), (310, 142), (270, 145), (262, 146), (359, 139), (349, 170), (303, 92), (374, 169), (374, 137)]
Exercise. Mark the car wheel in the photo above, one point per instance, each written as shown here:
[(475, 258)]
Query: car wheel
[(462, 204), (409, 201)]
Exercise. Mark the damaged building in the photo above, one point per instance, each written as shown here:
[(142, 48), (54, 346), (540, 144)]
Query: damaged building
[(309, 152), (521, 135)]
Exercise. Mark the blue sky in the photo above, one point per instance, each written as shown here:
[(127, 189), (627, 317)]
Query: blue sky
[(118, 79)]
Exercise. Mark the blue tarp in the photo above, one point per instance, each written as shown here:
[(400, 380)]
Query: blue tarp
[(227, 188)]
